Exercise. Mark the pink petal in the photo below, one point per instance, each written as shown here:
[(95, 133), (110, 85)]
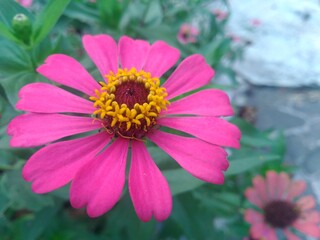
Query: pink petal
[(46, 98), (56, 164), (99, 183), (252, 195), (310, 229), (252, 216), (295, 189), (306, 203), (311, 216), (69, 72), (160, 59), (261, 189), (103, 51), (34, 129), (272, 181), (290, 235), (211, 129), (25, 3), (192, 73), (201, 159), (133, 53), (263, 231), (149, 190), (204, 103), (283, 184)]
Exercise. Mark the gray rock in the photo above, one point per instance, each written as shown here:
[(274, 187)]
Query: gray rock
[(284, 37)]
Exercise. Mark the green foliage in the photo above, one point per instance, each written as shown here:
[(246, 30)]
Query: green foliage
[(47, 19)]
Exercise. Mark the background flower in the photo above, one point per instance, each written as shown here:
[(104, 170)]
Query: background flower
[(187, 34), (281, 206), (25, 3)]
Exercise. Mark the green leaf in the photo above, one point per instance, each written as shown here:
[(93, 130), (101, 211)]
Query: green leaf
[(32, 229), (5, 32), (153, 15), (9, 9), (47, 19), (193, 221), (12, 84), (180, 181), (132, 16), (272, 141), (223, 203), (4, 202), (82, 12), (247, 163), (7, 159), (7, 112), (112, 11), (4, 139), (20, 194), (13, 59), (182, 217), (215, 51), (161, 158)]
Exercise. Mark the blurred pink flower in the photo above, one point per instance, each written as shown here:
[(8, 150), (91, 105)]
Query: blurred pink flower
[(220, 15), (256, 22), (25, 3), (234, 38), (187, 34), (126, 111), (281, 206)]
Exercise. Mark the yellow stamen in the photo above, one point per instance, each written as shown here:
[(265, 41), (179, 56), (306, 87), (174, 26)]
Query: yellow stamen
[(119, 115)]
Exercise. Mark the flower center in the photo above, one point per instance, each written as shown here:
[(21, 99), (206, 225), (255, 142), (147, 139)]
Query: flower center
[(280, 214), (129, 103)]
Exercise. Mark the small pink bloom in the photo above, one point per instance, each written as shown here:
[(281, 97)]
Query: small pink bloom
[(187, 34), (234, 38), (281, 206), (255, 22), (25, 3), (124, 113), (220, 15)]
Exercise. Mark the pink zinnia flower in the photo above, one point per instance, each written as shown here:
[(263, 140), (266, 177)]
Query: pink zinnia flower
[(25, 3), (255, 22), (220, 15), (187, 34), (126, 111), (234, 38), (281, 206)]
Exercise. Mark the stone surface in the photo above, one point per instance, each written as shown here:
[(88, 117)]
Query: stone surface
[(295, 111), (284, 37)]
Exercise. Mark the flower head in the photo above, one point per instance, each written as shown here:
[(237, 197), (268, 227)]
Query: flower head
[(220, 15), (187, 34), (255, 22), (25, 3), (123, 113), (281, 206)]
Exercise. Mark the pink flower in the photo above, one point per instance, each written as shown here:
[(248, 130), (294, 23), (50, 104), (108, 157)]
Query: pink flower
[(220, 15), (187, 34), (124, 113), (281, 206), (25, 3), (234, 38), (255, 22)]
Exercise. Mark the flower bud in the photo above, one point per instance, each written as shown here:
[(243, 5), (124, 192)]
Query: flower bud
[(22, 27)]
